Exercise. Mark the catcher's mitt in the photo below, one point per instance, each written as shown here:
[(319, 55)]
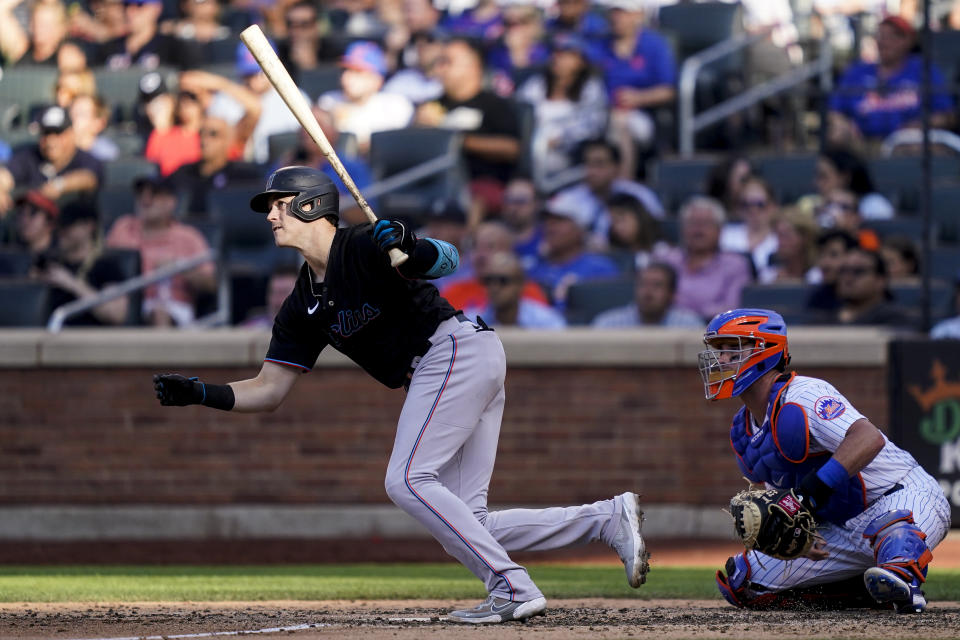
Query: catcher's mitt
[(773, 522)]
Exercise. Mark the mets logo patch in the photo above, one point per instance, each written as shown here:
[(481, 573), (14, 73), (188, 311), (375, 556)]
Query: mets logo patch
[(829, 408)]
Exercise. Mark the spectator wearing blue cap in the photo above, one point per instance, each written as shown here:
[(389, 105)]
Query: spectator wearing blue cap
[(570, 107), (144, 46), (54, 164), (360, 107)]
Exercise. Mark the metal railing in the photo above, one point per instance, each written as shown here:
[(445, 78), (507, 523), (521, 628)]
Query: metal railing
[(63, 313), (691, 122)]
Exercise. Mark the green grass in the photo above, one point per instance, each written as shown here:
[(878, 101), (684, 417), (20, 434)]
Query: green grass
[(349, 582)]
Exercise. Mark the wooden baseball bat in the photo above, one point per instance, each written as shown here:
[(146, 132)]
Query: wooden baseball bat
[(280, 78)]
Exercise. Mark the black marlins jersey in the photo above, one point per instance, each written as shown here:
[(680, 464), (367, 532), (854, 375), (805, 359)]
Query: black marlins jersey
[(363, 308)]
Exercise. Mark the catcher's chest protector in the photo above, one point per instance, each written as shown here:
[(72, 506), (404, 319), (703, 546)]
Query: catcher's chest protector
[(779, 453)]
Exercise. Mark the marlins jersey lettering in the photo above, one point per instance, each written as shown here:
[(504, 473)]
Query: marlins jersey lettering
[(363, 308), (829, 414)]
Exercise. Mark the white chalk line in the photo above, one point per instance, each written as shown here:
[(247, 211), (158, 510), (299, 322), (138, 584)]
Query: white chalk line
[(212, 634)]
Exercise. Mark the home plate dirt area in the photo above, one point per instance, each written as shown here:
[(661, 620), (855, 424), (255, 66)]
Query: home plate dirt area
[(413, 620)]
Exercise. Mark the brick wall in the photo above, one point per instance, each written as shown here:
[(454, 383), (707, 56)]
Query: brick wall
[(98, 436)]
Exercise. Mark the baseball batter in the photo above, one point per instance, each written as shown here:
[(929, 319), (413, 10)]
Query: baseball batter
[(879, 513), (403, 333)]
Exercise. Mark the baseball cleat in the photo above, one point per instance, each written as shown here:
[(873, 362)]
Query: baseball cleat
[(495, 610), (886, 586), (628, 543)]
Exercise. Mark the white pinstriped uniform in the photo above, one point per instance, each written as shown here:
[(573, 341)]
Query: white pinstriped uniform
[(850, 552)]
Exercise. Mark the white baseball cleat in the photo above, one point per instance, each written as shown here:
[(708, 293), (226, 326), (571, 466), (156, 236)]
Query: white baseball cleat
[(886, 586), (628, 543), (495, 610)]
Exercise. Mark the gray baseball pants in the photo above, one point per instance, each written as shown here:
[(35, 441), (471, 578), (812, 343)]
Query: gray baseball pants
[(444, 454)]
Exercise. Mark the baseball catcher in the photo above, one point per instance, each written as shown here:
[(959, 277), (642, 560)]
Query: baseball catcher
[(846, 518)]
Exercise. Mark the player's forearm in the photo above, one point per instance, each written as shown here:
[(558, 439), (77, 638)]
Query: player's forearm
[(431, 259), (253, 396), (859, 447), (14, 42)]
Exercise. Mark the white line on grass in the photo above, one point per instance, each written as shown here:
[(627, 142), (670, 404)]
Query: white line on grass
[(211, 634)]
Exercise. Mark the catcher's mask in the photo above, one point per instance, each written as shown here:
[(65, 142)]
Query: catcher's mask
[(316, 195), (742, 345)]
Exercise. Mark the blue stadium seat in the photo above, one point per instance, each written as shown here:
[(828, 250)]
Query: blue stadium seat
[(320, 80), (128, 262), (677, 179), (394, 151), (900, 178), (23, 303), (112, 203), (586, 300), (120, 88), (14, 262), (786, 299), (945, 264), (909, 295), (122, 173), (790, 176), (943, 210)]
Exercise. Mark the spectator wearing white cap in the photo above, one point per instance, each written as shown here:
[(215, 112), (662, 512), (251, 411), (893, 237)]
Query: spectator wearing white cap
[(360, 107), (54, 165), (565, 260)]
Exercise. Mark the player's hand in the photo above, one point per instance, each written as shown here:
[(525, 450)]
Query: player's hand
[(392, 234), (174, 390), (818, 551)]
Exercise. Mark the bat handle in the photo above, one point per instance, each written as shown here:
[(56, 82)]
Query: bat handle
[(397, 257)]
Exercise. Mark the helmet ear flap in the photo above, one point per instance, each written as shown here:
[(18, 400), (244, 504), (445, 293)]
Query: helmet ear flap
[(313, 204)]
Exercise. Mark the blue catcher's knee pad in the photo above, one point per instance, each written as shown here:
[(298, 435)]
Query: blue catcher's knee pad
[(899, 545), (736, 588)]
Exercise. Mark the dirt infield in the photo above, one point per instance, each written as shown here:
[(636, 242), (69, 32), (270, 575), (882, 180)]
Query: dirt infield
[(566, 619), (414, 620)]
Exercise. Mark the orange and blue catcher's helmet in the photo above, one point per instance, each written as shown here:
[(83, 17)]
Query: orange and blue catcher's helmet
[(761, 344)]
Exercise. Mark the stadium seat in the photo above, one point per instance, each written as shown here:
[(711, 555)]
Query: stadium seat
[(23, 303), (786, 299), (129, 263), (130, 143), (790, 176), (677, 179), (212, 231), (14, 262), (281, 145), (946, 55), (113, 202), (586, 300), (120, 88), (944, 212), (319, 80), (900, 178), (24, 88), (910, 295), (223, 51), (247, 239), (525, 124), (695, 27), (907, 226), (945, 264), (394, 151), (122, 173)]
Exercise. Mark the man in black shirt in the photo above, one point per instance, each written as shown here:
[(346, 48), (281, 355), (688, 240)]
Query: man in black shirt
[(491, 142), (77, 270), (143, 46), (403, 333), (54, 165)]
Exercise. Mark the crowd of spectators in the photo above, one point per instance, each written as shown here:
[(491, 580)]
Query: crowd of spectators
[(561, 108)]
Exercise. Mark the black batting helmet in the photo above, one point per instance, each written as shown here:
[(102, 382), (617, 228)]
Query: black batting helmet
[(316, 195)]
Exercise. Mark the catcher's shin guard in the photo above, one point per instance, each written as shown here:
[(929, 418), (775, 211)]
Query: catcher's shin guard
[(736, 588), (899, 545), (902, 557)]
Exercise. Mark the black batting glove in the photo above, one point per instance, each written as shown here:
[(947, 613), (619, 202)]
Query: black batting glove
[(392, 234), (174, 390)]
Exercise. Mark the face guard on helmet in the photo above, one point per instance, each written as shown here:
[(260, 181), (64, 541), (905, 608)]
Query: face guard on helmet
[(316, 195), (742, 345)]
